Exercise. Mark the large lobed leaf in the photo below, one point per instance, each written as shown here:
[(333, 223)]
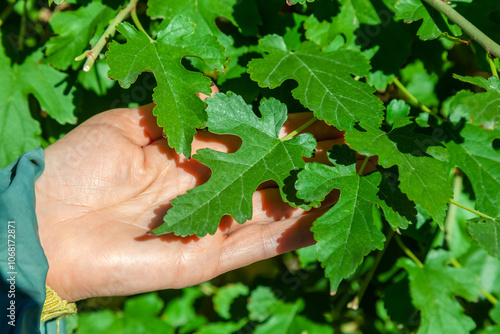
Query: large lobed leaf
[(325, 84), (19, 132), (424, 179), (179, 110), (433, 288), (346, 233), (474, 154), (235, 176)]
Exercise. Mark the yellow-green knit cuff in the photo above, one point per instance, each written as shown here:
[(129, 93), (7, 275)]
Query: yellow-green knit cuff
[(55, 307)]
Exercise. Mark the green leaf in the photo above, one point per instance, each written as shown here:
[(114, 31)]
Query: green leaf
[(147, 305), (179, 110), (433, 289), (474, 154), (492, 84), (18, 130), (396, 109), (484, 266), (333, 95), (74, 31), (261, 303), (333, 34), (486, 232), (346, 233), (181, 311), (225, 297), (420, 83), (434, 24), (294, 2), (483, 108), (285, 320), (235, 176), (202, 12), (222, 327), (423, 178)]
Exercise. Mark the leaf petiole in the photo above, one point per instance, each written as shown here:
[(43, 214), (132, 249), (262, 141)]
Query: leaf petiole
[(408, 251), (138, 24), (410, 96), (363, 165), (302, 127), (470, 210)]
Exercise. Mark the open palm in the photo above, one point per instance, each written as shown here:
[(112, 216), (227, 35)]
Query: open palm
[(110, 181)]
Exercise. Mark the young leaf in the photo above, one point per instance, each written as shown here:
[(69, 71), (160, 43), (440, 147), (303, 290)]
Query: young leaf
[(346, 233), (18, 130), (74, 31), (474, 154), (487, 234), (202, 12), (261, 303), (179, 110), (235, 176), (225, 296), (423, 178), (325, 85), (414, 10), (433, 289)]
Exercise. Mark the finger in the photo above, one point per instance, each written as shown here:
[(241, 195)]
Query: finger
[(261, 241), (319, 129)]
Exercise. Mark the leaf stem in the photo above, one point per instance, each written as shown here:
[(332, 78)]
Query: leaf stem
[(410, 96), (302, 127), (363, 165), (354, 304), (492, 299), (452, 201), (109, 32), (138, 24), (6, 12), (408, 251), (22, 29), (471, 30)]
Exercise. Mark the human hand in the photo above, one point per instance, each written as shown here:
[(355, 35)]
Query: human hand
[(110, 180)]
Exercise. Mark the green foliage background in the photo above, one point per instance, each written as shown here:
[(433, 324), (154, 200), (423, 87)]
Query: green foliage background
[(393, 255)]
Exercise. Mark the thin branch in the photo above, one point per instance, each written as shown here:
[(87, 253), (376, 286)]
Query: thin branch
[(471, 30), (109, 32), (470, 210)]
